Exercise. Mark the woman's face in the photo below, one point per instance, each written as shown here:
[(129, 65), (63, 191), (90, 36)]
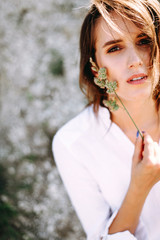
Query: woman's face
[(126, 57)]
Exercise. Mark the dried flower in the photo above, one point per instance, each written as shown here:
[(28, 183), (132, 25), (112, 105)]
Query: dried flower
[(111, 104), (102, 81)]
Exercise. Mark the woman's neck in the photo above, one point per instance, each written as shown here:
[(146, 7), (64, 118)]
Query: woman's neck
[(144, 114)]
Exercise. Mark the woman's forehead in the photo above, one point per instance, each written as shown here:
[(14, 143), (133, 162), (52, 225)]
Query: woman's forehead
[(125, 27)]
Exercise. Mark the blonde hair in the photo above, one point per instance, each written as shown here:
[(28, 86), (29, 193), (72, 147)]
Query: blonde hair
[(143, 13)]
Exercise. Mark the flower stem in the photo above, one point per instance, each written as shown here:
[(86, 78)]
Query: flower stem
[(129, 115)]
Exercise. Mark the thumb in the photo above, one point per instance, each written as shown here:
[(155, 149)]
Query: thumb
[(137, 156)]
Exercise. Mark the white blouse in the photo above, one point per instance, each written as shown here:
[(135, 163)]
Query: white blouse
[(94, 158)]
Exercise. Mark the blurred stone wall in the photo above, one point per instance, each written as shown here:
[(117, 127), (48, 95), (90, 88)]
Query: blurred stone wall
[(39, 92)]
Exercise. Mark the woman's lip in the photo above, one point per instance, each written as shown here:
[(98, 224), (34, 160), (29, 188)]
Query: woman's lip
[(140, 78)]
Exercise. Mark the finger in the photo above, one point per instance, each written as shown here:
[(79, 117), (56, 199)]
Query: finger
[(147, 138), (137, 156), (148, 146), (157, 152)]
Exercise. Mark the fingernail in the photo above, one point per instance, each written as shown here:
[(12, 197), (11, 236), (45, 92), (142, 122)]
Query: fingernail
[(137, 134)]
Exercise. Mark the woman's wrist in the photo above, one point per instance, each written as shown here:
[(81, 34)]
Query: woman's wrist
[(128, 215), (138, 191)]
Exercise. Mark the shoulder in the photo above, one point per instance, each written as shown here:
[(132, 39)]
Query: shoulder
[(76, 127), (84, 125)]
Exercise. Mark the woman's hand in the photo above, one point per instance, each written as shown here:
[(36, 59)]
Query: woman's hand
[(145, 173), (146, 164)]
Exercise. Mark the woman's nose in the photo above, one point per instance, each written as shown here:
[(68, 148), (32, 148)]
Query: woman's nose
[(134, 59)]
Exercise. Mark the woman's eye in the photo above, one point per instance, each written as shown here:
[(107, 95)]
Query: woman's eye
[(145, 41), (114, 49)]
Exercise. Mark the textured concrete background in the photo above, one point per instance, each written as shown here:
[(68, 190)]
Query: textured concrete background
[(39, 92)]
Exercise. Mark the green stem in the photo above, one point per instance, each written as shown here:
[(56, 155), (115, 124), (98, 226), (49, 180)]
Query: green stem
[(129, 115)]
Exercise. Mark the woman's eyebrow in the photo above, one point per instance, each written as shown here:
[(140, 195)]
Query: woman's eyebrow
[(120, 40), (111, 42), (142, 35)]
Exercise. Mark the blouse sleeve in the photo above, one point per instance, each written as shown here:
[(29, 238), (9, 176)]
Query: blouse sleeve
[(93, 211)]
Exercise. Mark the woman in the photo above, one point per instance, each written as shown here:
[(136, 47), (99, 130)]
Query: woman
[(111, 173)]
